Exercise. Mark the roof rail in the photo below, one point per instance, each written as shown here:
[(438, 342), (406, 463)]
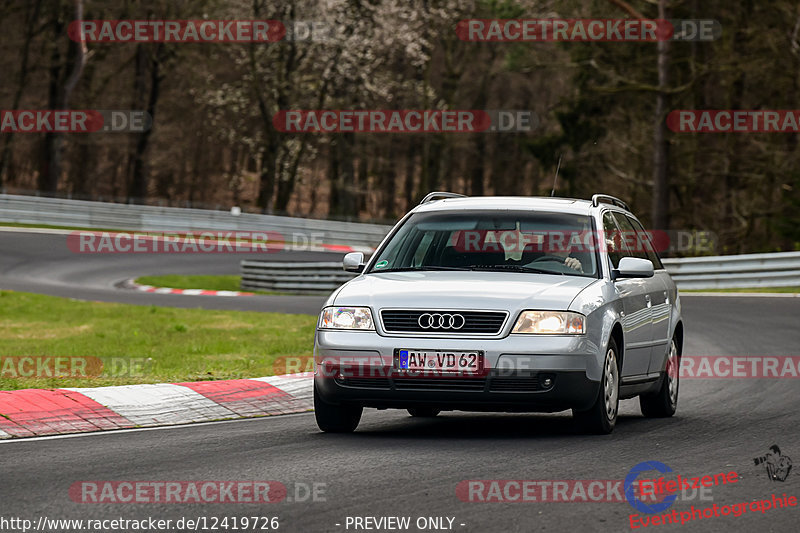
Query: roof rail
[(608, 199), (440, 195)]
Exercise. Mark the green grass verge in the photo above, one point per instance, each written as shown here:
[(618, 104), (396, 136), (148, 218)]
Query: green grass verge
[(793, 290), (209, 283), (139, 344)]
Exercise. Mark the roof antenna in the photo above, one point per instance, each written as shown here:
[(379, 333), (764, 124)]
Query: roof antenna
[(555, 178)]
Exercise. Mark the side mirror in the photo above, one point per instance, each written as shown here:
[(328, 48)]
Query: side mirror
[(354, 262), (633, 267)]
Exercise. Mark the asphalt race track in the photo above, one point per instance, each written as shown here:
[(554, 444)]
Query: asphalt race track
[(43, 263), (398, 466)]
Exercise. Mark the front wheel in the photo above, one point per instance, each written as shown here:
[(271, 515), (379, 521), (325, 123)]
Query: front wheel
[(335, 418), (664, 403), (601, 417)]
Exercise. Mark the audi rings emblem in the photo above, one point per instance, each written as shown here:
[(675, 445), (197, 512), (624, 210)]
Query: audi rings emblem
[(441, 321)]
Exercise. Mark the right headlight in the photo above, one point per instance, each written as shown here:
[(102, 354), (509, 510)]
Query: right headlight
[(346, 318), (550, 323)]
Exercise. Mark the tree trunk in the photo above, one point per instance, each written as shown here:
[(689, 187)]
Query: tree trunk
[(361, 186), (660, 143), (59, 97), (478, 165), (287, 184), (266, 178), (6, 166), (388, 184), (138, 188), (411, 156), (343, 202)]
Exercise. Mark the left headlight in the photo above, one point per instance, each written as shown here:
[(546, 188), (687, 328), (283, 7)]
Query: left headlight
[(346, 318), (550, 323)]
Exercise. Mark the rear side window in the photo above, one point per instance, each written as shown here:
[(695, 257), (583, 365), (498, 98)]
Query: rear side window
[(631, 239), (613, 244), (648, 244)]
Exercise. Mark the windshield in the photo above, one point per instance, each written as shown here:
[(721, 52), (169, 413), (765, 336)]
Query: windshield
[(505, 241)]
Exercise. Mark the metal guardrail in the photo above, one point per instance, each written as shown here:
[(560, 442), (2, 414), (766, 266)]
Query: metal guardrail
[(718, 272), (299, 278), (736, 271), (103, 215)]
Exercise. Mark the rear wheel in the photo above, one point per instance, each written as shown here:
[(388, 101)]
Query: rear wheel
[(664, 403), (423, 412), (335, 418), (601, 417)]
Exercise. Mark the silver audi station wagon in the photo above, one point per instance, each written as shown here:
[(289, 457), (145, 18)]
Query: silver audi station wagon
[(502, 304)]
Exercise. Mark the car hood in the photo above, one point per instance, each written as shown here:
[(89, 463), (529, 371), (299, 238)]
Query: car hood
[(508, 291)]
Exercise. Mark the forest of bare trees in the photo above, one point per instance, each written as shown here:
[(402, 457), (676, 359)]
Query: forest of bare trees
[(601, 108)]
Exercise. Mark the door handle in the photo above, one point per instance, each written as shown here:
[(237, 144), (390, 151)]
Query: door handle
[(648, 300)]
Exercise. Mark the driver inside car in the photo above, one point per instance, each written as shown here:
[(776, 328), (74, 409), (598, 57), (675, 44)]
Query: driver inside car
[(515, 242), (554, 247), (572, 262)]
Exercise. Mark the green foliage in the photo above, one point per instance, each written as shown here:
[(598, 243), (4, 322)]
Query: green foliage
[(214, 144)]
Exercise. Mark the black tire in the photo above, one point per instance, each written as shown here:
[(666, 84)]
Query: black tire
[(336, 418), (664, 403), (601, 417), (423, 412)]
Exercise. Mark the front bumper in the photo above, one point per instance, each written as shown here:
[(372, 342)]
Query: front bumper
[(517, 370)]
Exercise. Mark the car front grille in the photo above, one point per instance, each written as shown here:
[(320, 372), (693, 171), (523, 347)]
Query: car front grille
[(364, 383), (445, 384), (435, 321), (415, 384), (520, 383), (497, 383)]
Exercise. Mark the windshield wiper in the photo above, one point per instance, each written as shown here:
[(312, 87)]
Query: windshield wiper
[(514, 268), (416, 269)]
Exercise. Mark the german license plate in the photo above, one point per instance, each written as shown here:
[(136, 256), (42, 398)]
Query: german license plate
[(438, 361)]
